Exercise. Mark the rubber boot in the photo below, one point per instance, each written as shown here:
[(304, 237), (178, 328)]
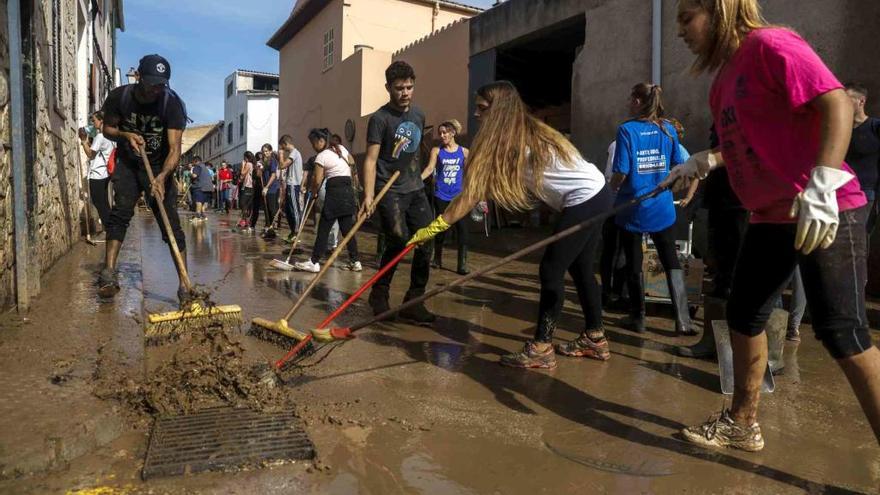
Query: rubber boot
[(713, 309), (636, 319), (678, 295), (462, 261), (438, 254), (418, 313)]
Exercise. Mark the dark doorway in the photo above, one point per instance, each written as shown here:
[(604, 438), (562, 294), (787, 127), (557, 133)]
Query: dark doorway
[(540, 65)]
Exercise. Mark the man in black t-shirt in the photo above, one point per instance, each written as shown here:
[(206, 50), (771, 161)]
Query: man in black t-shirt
[(149, 115), (863, 155), (394, 134)]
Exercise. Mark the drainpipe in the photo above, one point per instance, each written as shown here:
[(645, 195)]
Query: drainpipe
[(434, 15), (656, 40), (19, 192)]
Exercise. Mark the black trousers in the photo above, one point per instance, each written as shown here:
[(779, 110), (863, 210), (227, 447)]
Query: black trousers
[(664, 241), (401, 216), (834, 282), (460, 231), (246, 201), (575, 254), (267, 204), (101, 200), (346, 222), (129, 181)]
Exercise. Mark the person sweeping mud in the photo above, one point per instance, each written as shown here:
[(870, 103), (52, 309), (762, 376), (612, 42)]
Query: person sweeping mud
[(148, 115), (784, 123), (447, 185), (340, 204), (394, 133), (516, 160)]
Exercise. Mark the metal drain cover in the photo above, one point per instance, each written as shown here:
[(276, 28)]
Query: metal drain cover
[(223, 438)]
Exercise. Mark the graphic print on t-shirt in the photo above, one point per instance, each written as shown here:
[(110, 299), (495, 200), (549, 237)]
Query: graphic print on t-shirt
[(450, 168), (407, 138), (651, 160), (151, 128)]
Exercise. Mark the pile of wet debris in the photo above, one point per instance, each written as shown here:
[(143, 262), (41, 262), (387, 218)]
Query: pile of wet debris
[(202, 369)]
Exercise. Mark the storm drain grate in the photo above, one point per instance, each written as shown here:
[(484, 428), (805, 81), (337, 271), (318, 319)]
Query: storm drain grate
[(223, 438)]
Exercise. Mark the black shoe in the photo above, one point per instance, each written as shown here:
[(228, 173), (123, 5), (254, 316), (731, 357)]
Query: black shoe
[(462, 262), (108, 283), (636, 323), (418, 314), (379, 301)]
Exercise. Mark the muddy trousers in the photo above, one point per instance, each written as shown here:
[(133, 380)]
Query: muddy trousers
[(402, 214), (575, 254), (129, 181), (461, 234), (346, 222), (246, 201), (664, 241), (834, 283), (100, 198)]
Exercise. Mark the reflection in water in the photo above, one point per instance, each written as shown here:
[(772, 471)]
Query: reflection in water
[(445, 355)]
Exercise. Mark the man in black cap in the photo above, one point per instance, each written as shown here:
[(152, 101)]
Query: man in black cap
[(148, 115)]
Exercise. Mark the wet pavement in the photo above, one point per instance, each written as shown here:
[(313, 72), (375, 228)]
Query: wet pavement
[(406, 409)]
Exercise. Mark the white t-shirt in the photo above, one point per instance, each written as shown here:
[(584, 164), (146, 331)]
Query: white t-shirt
[(609, 165), (565, 187), (102, 148), (333, 164), (295, 170)]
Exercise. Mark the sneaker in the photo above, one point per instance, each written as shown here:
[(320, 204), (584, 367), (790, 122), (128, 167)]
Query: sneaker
[(307, 266), (530, 357), (793, 335), (724, 432), (583, 346), (108, 283), (354, 266)]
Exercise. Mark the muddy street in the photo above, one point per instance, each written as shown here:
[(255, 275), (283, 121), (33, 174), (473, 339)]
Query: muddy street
[(400, 408)]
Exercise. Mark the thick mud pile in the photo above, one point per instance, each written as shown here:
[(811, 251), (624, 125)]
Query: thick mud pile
[(203, 369)]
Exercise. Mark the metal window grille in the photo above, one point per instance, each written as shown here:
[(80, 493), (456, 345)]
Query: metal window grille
[(328, 49)]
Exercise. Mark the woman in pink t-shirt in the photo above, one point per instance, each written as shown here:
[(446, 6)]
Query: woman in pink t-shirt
[(784, 125)]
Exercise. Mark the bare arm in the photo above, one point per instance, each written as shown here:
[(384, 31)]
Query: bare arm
[(87, 148), (836, 111), (432, 163), (318, 176), (175, 138), (459, 208)]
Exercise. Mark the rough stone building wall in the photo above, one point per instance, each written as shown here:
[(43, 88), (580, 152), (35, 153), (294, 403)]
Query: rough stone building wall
[(53, 205)]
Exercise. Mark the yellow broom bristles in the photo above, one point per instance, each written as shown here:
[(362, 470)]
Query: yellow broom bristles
[(194, 317), (279, 327)]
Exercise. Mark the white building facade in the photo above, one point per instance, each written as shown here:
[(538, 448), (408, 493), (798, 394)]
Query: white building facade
[(250, 113)]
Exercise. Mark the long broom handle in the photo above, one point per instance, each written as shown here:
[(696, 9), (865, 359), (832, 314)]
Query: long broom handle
[(519, 254), (299, 345), (302, 298), (302, 223), (178, 258)]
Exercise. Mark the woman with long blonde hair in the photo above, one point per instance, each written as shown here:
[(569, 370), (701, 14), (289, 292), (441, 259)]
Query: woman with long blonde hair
[(784, 122), (518, 161)]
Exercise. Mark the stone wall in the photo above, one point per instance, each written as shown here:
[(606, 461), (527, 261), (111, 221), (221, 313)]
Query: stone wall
[(53, 205)]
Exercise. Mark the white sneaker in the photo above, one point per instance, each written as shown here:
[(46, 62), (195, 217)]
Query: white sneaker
[(355, 266), (307, 266)]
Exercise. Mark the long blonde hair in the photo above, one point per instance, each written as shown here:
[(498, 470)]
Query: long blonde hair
[(498, 164), (732, 20)]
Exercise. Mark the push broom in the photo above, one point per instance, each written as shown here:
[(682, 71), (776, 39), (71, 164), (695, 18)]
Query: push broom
[(279, 331), (195, 312), (322, 334), (285, 264)]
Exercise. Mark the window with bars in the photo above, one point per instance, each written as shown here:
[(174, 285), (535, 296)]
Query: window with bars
[(241, 124), (57, 51), (229, 134), (328, 49)]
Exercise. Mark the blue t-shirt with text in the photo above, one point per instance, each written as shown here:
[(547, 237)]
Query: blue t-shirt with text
[(449, 173), (644, 155)]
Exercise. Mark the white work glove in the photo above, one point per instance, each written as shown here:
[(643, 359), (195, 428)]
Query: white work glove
[(697, 166), (816, 209), (265, 191)]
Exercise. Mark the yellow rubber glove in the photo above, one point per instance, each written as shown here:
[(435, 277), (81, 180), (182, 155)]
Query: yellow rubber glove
[(428, 233)]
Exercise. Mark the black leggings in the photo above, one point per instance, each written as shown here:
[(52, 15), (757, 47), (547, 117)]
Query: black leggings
[(834, 282), (459, 226), (664, 241), (99, 194), (575, 254), (267, 204)]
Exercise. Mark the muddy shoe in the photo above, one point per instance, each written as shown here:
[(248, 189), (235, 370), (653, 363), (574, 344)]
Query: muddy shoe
[(793, 335), (307, 266), (724, 432), (354, 266), (531, 357), (418, 314), (108, 283), (583, 346), (379, 301)]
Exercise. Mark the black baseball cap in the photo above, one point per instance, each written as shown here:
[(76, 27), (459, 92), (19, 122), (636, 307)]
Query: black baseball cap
[(154, 69)]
